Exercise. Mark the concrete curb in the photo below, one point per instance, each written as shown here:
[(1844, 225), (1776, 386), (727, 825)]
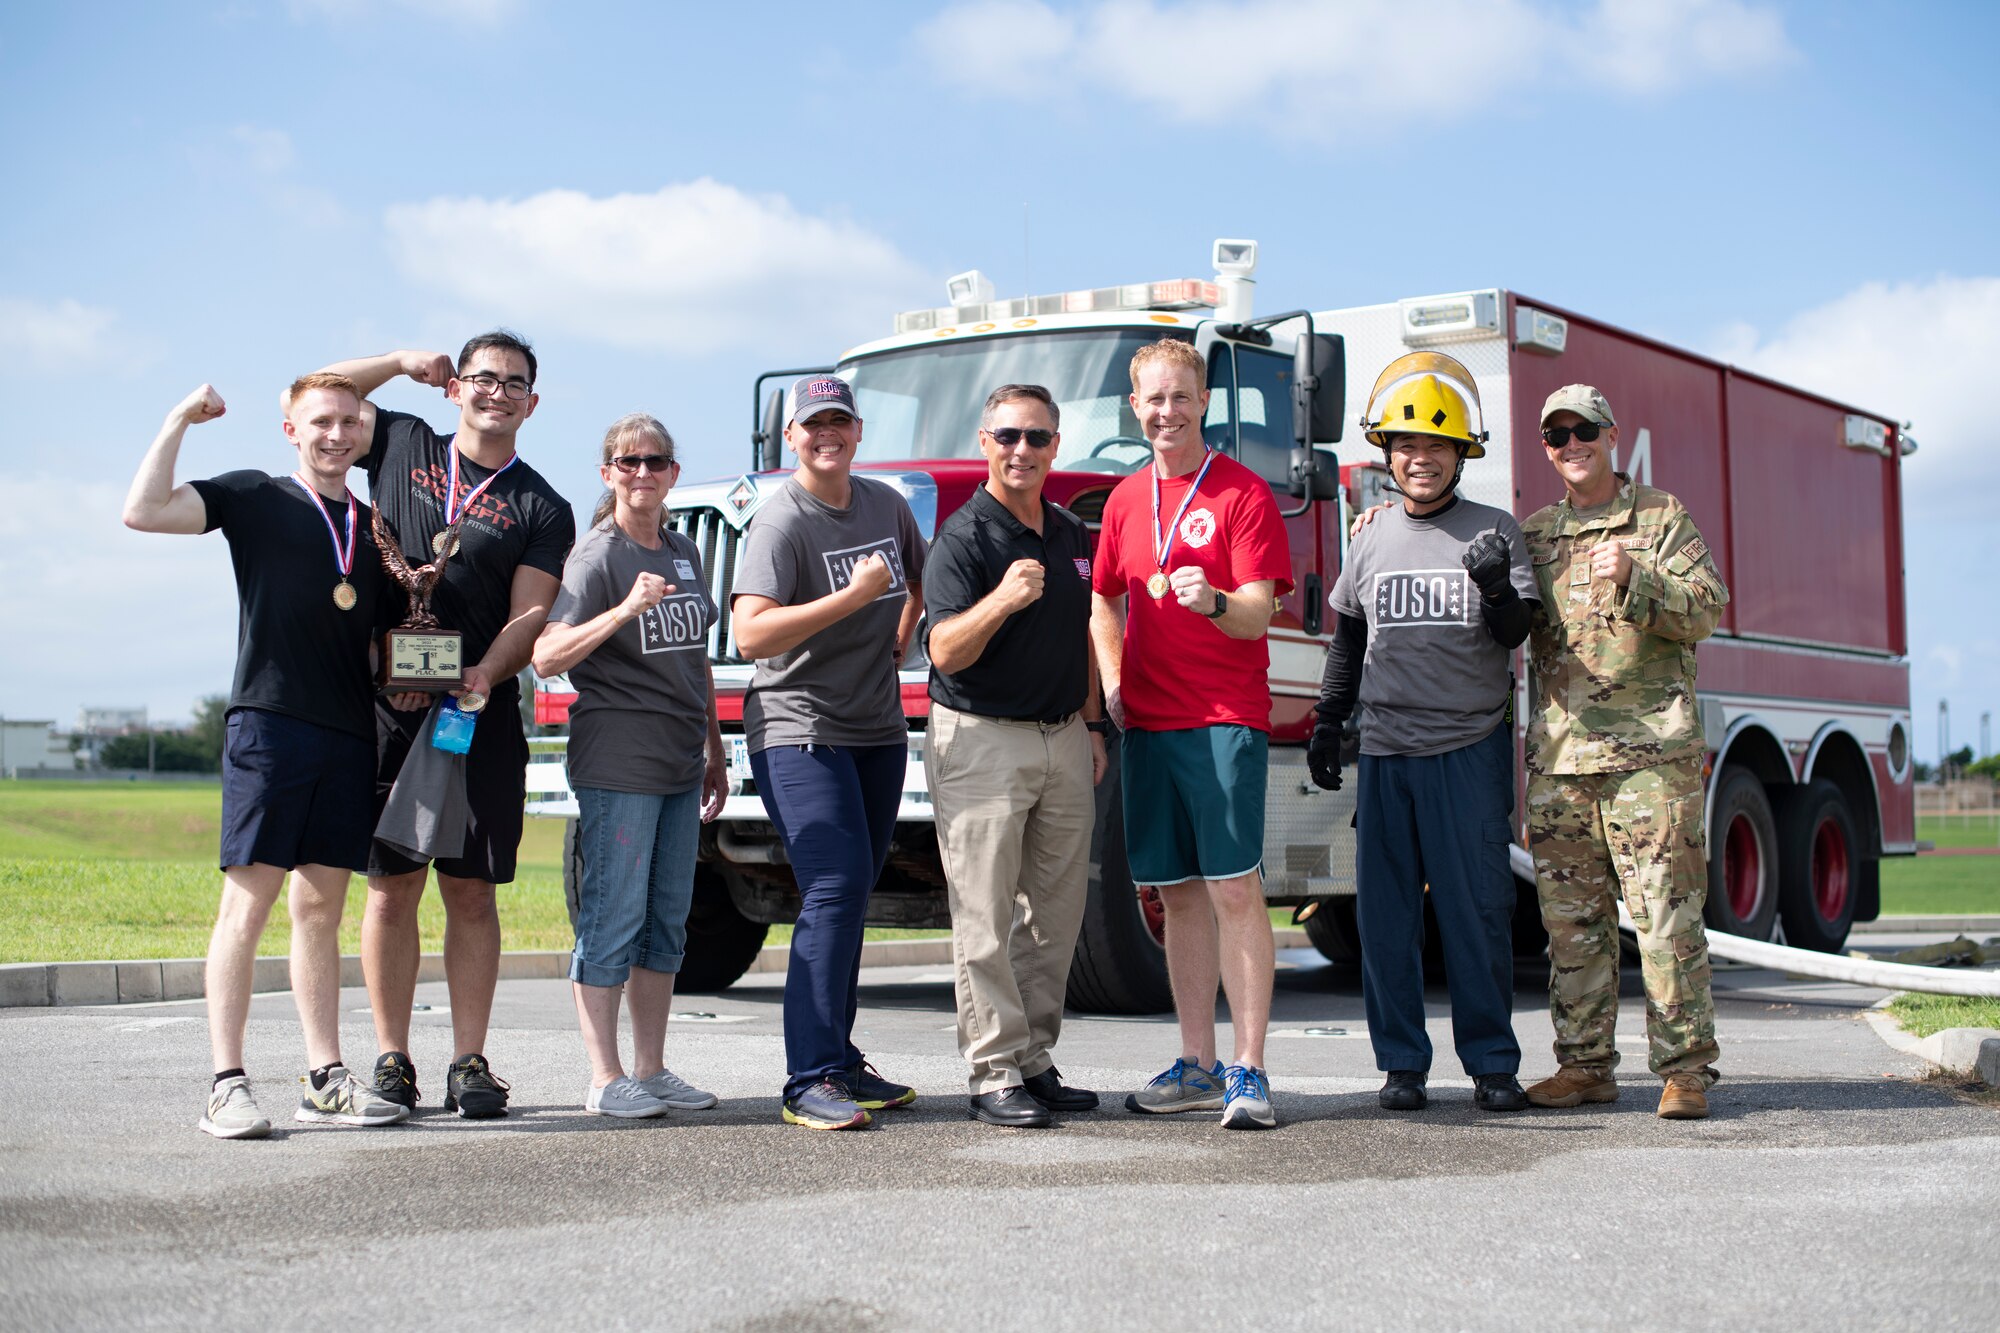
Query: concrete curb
[(1970, 1052), (41, 985), (1925, 925)]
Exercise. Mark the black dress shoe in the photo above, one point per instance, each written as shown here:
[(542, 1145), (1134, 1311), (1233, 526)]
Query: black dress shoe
[(1498, 1092), (1010, 1106), (1403, 1090), (1047, 1088)]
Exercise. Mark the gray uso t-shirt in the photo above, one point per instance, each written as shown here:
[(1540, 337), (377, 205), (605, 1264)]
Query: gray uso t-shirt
[(640, 720), (839, 686), (1434, 679)]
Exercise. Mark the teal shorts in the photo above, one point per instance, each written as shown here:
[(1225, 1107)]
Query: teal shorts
[(1194, 803)]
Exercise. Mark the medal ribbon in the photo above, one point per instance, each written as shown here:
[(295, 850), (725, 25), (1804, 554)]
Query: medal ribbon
[(1164, 546), (453, 512), (344, 558)]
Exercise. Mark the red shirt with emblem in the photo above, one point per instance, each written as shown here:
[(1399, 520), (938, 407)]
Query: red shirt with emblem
[(1180, 669)]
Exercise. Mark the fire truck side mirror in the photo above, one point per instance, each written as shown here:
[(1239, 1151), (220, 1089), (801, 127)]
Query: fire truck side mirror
[(771, 434), (1319, 389), (1315, 474)]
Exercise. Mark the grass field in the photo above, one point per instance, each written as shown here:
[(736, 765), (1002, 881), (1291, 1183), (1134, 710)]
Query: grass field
[(1924, 1015), (127, 870)]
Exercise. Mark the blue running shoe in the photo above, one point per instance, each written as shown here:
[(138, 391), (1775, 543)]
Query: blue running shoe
[(826, 1105), (1247, 1102), (872, 1092), (1186, 1086)]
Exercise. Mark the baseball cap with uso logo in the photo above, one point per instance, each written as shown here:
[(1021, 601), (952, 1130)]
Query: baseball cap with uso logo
[(819, 393)]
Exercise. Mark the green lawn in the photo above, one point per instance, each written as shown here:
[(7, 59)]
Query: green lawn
[(1981, 830), (1924, 1015)]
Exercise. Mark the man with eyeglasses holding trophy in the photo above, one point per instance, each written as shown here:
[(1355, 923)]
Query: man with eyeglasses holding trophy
[(1615, 752), (495, 534), (1013, 750)]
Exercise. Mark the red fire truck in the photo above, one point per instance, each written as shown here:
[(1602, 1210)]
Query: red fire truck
[(1804, 688)]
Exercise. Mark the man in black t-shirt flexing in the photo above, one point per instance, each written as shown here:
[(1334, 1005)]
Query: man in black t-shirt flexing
[(511, 531), (297, 759)]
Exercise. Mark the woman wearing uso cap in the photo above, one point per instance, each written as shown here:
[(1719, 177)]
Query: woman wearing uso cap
[(826, 599)]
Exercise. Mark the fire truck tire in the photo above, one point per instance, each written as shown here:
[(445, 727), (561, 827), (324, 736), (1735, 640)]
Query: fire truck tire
[(721, 941), (1333, 931), (1119, 966), (1819, 866), (1743, 858)]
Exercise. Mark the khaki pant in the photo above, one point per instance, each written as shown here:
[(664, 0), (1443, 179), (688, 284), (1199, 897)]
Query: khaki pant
[(1014, 813)]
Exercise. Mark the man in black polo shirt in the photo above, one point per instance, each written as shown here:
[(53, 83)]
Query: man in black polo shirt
[(1010, 757)]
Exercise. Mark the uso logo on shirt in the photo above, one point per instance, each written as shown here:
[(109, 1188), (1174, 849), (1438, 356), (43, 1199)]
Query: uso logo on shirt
[(1413, 597), (676, 625)]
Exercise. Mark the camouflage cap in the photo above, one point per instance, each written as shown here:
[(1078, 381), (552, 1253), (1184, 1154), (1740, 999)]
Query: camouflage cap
[(1582, 399)]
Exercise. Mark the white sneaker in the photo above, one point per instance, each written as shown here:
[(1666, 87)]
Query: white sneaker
[(1249, 1099), (233, 1113), (625, 1098), (677, 1092), (345, 1100)]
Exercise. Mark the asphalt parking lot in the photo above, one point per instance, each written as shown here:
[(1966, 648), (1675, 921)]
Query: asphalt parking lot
[(1832, 1188)]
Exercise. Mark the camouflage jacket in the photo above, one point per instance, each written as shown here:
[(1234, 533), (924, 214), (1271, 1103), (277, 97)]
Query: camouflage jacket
[(1614, 668)]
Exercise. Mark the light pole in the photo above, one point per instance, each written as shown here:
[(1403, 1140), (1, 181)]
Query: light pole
[(1944, 739)]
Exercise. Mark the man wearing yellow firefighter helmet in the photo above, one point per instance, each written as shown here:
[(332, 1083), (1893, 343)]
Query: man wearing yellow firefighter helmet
[(1435, 595)]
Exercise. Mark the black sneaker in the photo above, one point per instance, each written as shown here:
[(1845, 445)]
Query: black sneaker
[(396, 1080), (471, 1089), (1403, 1090), (872, 1092)]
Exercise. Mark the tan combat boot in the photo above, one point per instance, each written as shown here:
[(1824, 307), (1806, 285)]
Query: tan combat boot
[(1684, 1098), (1572, 1085)]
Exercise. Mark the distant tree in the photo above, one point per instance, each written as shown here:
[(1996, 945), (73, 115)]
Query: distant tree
[(1960, 758), (173, 752), (1989, 767), (210, 726), (1922, 772)]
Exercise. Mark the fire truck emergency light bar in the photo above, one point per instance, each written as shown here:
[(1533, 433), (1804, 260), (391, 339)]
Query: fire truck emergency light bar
[(1175, 294)]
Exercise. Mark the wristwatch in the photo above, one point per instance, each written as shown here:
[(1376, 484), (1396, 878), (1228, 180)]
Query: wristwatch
[(1221, 605), (1101, 727)]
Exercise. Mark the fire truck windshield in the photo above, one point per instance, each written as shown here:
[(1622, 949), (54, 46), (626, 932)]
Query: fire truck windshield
[(924, 401)]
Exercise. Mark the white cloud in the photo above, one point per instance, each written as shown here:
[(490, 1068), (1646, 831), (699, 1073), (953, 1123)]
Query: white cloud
[(55, 337), (692, 267), (267, 150), (1314, 69), (1922, 352)]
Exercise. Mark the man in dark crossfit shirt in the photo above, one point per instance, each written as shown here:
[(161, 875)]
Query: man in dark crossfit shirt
[(296, 763), (511, 531)]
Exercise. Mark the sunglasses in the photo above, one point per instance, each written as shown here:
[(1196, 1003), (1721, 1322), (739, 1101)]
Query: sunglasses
[(1009, 436), (630, 463), (1558, 436)]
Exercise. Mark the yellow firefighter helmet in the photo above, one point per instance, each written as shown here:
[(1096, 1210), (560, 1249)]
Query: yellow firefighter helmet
[(1426, 393)]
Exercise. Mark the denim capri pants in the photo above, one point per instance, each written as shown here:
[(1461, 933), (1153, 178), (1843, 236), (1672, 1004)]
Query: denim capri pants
[(638, 881)]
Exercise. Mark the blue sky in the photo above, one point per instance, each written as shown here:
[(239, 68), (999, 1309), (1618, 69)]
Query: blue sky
[(669, 198)]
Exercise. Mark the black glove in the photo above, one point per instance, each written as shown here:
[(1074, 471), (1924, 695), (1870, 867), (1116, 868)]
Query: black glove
[(1486, 559), (1323, 753)]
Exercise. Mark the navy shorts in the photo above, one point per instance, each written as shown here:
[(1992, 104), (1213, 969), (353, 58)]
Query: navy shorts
[(496, 788), (1194, 803), (295, 793)]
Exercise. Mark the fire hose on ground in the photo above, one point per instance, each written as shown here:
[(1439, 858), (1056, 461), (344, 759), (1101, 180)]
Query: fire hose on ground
[(1812, 963)]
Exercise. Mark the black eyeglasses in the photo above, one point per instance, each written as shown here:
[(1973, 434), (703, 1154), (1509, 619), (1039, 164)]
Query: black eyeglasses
[(1558, 436), (488, 385), (1009, 436), (630, 463)]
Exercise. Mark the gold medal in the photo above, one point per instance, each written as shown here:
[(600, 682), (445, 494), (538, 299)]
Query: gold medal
[(344, 595), (1156, 585), (437, 543)]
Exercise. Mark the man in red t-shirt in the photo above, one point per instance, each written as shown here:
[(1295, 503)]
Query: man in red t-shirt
[(1190, 557)]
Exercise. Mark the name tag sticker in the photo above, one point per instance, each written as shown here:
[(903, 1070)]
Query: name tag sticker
[(685, 568)]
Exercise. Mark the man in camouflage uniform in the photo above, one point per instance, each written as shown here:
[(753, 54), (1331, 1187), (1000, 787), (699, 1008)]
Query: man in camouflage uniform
[(1615, 799)]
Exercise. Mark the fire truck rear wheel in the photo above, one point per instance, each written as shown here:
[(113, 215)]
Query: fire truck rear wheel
[(1819, 866), (1120, 966), (1333, 931), (1743, 860), (721, 941)]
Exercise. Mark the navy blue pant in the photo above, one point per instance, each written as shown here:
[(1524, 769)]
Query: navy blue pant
[(1440, 819), (835, 808)]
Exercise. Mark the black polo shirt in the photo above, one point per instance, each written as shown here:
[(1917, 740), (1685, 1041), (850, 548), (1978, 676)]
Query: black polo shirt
[(1036, 666)]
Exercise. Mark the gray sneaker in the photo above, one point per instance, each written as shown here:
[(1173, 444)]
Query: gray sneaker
[(624, 1097), (677, 1092), (346, 1100), (1249, 1099), (1186, 1086), (233, 1113)]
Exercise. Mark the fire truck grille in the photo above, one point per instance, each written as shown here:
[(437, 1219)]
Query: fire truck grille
[(719, 545)]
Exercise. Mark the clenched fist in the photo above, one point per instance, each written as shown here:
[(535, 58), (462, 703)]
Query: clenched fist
[(871, 577), (1021, 585), (1609, 560), (648, 590), (1486, 559), (204, 404)]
